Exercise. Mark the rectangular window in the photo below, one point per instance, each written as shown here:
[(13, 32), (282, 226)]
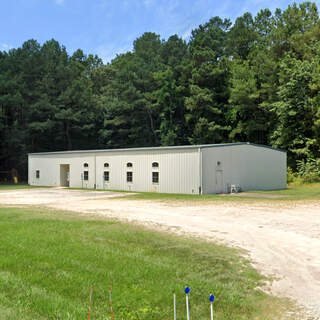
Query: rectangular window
[(155, 177), (37, 174), (106, 176), (129, 176), (85, 175)]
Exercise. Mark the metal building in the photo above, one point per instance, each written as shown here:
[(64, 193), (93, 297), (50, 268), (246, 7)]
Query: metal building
[(195, 169)]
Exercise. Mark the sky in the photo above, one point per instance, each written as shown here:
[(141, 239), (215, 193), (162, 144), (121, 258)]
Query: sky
[(109, 27)]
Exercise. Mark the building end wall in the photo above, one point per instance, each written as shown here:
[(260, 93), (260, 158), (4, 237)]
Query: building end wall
[(248, 166)]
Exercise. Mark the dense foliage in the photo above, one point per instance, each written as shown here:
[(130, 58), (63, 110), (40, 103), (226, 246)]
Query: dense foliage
[(255, 80)]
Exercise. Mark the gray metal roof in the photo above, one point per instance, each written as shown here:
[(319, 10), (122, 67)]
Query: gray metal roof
[(201, 146)]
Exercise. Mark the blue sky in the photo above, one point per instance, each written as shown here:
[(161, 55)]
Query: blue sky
[(108, 27)]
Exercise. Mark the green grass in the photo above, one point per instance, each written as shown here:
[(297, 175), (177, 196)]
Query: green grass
[(308, 191), (293, 192), (17, 186), (180, 197), (49, 259)]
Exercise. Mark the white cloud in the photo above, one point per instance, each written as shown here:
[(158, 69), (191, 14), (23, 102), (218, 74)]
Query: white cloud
[(109, 52), (164, 17), (5, 47), (186, 35), (59, 2)]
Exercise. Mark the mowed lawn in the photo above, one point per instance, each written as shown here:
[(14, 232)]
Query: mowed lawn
[(49, 259), (17, 186), (310, 191)]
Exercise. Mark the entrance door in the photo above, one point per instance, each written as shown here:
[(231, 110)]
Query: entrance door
[(219, 181), (64, 175)]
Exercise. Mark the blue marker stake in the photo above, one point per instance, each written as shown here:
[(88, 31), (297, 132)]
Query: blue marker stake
[(211, 298), (187, 291)]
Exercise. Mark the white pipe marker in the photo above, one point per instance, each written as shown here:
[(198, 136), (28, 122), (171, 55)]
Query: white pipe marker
[(174, 307), (211, 298), (187, 291)]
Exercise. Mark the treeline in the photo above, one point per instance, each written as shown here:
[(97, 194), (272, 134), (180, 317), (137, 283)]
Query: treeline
[(255, 80)]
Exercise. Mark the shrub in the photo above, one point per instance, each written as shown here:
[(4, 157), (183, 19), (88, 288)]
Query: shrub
[(291, 177), (308, 170)]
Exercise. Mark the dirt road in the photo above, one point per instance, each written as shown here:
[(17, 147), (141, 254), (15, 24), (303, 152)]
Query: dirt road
[(282, 238)]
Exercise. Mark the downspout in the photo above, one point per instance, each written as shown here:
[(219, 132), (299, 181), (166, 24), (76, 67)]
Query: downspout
[(95, 171), (200, 171), (29, 174)]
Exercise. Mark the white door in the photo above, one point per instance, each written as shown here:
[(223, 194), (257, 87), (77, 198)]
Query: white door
[(68, 178), (219, 181)]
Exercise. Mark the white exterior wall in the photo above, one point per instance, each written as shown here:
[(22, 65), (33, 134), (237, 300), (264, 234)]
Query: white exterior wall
[(49, 167), (251, 167), (248, 166), (178, 170)]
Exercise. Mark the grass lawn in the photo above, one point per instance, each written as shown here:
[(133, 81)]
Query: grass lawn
[(49, 259), (308, 191), (16, 186), (293, 192)]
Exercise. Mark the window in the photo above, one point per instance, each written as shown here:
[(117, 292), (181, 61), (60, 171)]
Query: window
[(106, 176), (129, 176), (85, 175), (37, 174), (106, 165), (129, 164), (155, 164), (85, 165), (155, 177)]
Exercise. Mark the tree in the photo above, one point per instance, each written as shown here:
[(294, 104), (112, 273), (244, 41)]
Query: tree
[(294, 108), (208, 84), (171, 91), (130, 111), (242, 36)]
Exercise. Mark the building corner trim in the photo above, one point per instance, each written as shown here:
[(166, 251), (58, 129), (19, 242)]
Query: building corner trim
[(200, 171)]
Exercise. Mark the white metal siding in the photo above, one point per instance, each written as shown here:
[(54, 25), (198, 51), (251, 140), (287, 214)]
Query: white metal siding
[(250, 167), (178, 170), (49, 166), (266, 169)]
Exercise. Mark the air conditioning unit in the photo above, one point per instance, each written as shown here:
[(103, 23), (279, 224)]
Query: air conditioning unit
[(235, 188)]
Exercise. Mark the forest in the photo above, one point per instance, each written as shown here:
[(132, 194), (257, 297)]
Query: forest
[(256, 79)]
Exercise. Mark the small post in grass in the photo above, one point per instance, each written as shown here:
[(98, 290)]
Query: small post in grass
[(174, 307), (110, 302), (187, 291), (211, 298), (90, 301)]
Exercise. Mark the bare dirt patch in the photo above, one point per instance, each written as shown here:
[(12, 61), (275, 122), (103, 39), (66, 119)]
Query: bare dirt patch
[(44, 196), (282, 238)]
